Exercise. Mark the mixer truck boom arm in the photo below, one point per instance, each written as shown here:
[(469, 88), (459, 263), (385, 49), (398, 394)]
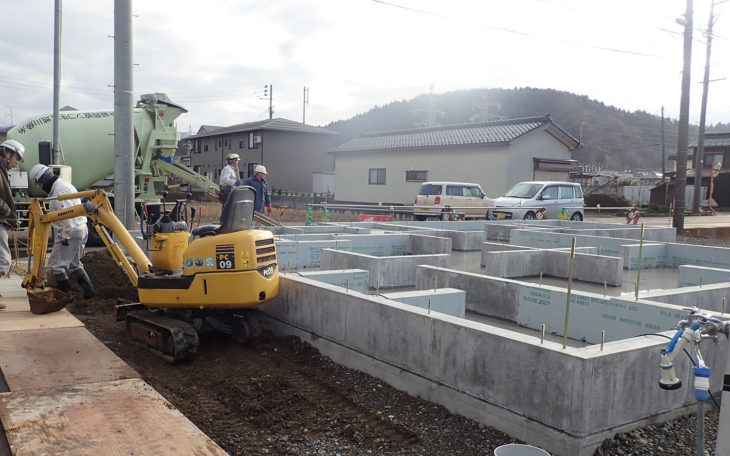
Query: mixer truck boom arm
[(99, 211), (176, 169)]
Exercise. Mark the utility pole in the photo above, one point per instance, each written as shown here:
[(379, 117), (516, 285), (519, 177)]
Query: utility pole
[(123, 122), (11, 114), (664, 170), (305, 102), (681, 180), (431, 107), (56, 154), (269, 90), (700, 154)]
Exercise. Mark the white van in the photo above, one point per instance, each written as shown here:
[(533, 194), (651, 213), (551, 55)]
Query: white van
[(461, 197), (524, 200)]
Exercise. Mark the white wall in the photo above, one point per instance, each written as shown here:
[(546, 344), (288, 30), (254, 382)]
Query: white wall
[(495, 168), (537, 145), (484, 166)]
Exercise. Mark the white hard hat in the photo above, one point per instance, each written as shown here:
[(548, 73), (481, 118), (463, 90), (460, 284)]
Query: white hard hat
[(37, 171), (259, 169), (14, 146), (232, 157)]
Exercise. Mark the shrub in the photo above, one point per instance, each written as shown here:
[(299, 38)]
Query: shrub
[(606, 200)]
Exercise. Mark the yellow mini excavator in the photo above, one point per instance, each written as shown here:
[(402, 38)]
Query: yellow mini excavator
[(188, 287)]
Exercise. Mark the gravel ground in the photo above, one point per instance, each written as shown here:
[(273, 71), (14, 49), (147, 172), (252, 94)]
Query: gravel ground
[(281, 397)]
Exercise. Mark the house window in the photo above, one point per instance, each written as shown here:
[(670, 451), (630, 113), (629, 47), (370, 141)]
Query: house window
[(420, 176), (376, 176), (712, 158), (253, 140), (205, 148), (240, 144), (225, 143), (250, 168)]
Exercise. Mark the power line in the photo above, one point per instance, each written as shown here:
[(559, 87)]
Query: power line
[(519, 32)]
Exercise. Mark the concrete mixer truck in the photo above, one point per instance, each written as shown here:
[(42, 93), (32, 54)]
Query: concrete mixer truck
[(87, 150)]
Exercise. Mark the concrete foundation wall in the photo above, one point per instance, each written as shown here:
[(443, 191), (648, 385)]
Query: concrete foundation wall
[(295, 255), (349, 279), (385, 272), (674, 255), (564, 400), (501, 230), (462, 240), (699, 275), (531, 305), (427, 245), (706, 297), (550, 240), (531, 263), (301, 251), (449, 301)]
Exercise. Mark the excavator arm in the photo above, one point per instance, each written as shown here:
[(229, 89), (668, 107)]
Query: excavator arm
[(99, 210)]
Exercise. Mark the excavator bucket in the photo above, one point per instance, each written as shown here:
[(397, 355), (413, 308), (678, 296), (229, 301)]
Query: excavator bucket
[(46, 300)]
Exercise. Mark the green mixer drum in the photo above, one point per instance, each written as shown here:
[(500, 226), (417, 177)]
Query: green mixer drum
[(87, 142)]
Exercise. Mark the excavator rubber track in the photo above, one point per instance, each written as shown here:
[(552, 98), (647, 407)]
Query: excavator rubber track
[(171, 339)]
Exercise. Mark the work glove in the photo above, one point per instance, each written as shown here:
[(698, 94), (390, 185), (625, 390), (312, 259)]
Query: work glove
[(64, 242), (7, 212), (268, 209), (237, 183)]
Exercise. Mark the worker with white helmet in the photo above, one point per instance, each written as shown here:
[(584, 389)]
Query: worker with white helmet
[(258, 182), (11, 152), (229, 176), (69, 236)]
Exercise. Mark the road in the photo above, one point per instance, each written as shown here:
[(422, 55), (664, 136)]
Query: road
[(721, 220)]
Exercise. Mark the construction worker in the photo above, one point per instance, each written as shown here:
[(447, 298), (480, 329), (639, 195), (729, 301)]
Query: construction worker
[(70, 235), (11, 152), (229, 176), (258, 182)]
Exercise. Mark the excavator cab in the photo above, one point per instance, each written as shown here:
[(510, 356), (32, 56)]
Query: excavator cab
[(237, 213)]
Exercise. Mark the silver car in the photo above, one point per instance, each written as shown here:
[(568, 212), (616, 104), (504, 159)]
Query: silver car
[(539, 199)]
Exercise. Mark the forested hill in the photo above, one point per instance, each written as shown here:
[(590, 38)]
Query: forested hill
[(612, 138)]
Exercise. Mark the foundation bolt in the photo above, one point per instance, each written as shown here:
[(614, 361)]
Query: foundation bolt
[(700, 284), (603, 338), (723, 306), (605, 287), (347, 284), (542, 333), (540, 278), (429, 306)]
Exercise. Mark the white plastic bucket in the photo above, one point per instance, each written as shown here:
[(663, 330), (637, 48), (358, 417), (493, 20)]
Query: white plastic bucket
[(515, 449)]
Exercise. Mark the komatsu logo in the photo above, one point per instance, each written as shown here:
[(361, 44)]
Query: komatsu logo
[(66, 212)]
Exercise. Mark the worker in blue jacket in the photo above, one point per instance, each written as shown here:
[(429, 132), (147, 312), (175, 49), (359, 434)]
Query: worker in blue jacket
[(258, 182)]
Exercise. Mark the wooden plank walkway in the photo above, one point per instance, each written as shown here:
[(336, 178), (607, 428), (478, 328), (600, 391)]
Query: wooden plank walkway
[(70, 395)]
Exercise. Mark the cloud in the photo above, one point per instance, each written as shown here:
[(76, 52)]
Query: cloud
[(215, 57)]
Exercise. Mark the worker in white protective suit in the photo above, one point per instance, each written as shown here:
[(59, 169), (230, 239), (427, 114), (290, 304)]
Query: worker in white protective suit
[(229, 176), (69, 236)]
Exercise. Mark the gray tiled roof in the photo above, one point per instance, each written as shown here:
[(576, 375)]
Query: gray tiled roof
[(714, 140), (276, 124), (488, 133)]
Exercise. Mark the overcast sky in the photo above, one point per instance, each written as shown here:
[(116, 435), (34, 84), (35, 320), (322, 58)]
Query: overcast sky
[(214, 57)]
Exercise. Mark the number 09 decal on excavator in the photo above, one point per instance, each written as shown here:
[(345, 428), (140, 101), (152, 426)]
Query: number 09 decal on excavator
[(225, 257)]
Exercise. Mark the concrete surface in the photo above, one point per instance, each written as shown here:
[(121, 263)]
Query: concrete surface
[(499, 377), (68, 394)]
